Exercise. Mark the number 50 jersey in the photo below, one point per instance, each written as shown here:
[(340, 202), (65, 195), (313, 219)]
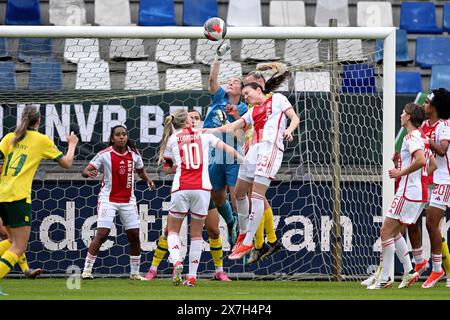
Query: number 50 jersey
[(189, 149), (21, 162)]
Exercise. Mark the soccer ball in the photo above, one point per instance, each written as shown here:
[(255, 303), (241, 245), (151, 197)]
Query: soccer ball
[(215, 29)]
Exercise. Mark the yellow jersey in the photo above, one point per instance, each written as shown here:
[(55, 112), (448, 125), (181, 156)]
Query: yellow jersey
[(21, 162)]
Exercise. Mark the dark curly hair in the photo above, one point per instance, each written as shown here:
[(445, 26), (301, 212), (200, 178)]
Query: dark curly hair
[(441, 101)]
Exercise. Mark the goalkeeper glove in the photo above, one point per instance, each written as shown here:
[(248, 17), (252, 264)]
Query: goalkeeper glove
[(221, 50)]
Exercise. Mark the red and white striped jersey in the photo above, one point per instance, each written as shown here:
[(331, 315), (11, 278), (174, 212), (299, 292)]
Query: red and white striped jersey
[(442, 173), (414, 185), (269, 120), (118, 174), (188, 149), (430, 132)]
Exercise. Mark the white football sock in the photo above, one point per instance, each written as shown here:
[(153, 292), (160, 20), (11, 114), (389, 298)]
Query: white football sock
[(401, 249), (173, 240), (89, 262), (388, 252), (195, 252), (255, 217), (242, 207), (135, 262)]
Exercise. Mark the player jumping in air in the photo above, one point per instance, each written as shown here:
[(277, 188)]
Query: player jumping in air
[(264, 157), (22, 151), (118, 161), (185, 153)]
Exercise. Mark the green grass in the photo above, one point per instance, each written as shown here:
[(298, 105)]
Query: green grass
[(162, 289)]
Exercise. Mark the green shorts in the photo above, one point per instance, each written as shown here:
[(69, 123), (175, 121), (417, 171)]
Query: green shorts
[(16, 214)]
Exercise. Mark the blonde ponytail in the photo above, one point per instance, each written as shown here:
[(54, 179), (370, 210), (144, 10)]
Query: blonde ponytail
[(177, 120), (30, 117)]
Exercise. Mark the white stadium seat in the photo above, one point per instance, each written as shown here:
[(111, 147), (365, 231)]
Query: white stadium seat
[(331, 9), (374, 14), (301, 51), (312, 81), (206, 50), (174, 51), (93, 76), (244, 13), (287, 14), (67, 12), (142, 75), (258, 49), (76, 50), (350, 50), (183, 79), (229, 69)]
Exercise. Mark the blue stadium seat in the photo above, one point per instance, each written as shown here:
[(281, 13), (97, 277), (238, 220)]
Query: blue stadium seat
[(408, 82), (401, 48), (8, 75), (23, 12), (432, 50), (358, 78), (440, 77), (419, 17), (45, 76), (4, 49), (157, 13), (35, 49), (446, 17), (196, 12)]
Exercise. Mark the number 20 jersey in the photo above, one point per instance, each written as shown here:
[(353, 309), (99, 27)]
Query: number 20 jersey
[(189, 150)]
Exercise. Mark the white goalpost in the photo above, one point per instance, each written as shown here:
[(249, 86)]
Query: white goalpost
[(302, 195)]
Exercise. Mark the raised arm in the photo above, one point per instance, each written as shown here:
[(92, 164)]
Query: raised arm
[(213, 82), (67, 160), (440, 147), (227, 128)]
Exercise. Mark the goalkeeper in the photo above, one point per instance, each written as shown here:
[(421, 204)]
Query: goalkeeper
[(226, 106)]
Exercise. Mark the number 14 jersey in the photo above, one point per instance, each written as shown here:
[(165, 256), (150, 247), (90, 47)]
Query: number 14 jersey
[(189, 149)]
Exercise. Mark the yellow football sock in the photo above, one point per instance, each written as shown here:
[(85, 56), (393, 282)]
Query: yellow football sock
[(215, 247), (7, 262), (259, 235), (4, 245), (160, 251), (23, 263), (268, 225), (445, 256)]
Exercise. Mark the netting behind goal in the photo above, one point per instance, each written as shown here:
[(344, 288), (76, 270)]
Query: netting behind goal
[(90, 85)]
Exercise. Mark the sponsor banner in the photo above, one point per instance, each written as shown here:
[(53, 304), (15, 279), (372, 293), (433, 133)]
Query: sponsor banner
[(64, 220)]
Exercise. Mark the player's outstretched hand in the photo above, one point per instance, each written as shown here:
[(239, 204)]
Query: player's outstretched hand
[(222, 50), (232, 111), (287, 135), (72, 138), (151, 185)]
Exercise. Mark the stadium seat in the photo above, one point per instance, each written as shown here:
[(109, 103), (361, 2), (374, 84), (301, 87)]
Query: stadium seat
[(446, 17), (312, 81), (432, 50), (117, 13), (142, 75), (67, 12), (174, 51), (408, 82), (93, 76), (86, 50), (244, 13), (229, 69), (157, 13), (440, 77), (36, 49), (358, 78), (8, 75), (331, 9), (183, 79), (45, 76), (206, 50), (301, 51), (196, 12), (350, 50), (23, 12), (418, 17), (4, 49), (374, 14), (401, 48), (287, 14), (258, 50)]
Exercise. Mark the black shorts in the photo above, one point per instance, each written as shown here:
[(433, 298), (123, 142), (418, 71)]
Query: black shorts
[(15, 214)]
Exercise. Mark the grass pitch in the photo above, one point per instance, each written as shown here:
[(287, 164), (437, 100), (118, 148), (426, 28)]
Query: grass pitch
[(162, 289)]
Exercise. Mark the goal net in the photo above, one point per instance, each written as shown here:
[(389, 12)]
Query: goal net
[(328, 196)]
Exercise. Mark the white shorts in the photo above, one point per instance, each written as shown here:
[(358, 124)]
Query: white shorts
[(430, 188), (440, 196), (195, 202), (263, 159), (405, 211), (128, 213)]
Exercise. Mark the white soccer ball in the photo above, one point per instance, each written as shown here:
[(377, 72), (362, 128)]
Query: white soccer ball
[(215, 29)]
